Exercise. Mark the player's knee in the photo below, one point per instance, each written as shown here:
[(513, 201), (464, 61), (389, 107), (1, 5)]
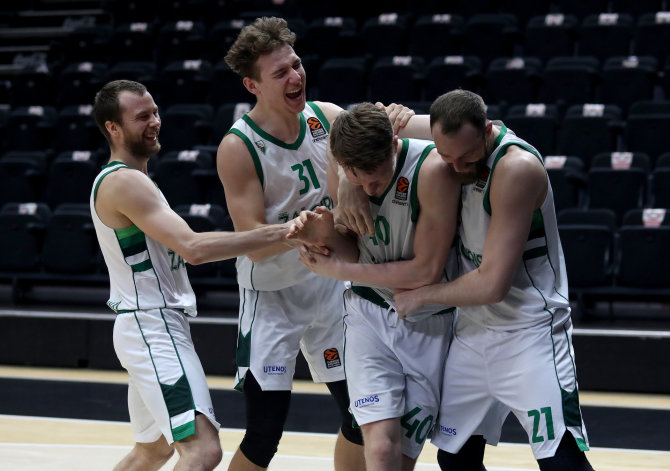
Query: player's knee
[(266, 414), (350, 430), (568, 457), (211, 457), (381, 449), (260, 446), (469, 458)]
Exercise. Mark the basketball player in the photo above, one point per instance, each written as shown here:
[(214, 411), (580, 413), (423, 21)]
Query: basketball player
[(512, 347), (394, 366), (272, 165), (145, 246)]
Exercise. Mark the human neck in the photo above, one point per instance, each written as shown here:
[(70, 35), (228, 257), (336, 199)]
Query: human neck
[(284, 125)]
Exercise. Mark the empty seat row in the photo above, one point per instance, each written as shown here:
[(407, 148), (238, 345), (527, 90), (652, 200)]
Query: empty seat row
[(486, 35), (63, 242), (184, 177), (616, 181), (600, 254)]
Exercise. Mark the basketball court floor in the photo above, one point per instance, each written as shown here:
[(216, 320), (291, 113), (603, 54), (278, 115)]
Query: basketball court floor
[(55, 441)]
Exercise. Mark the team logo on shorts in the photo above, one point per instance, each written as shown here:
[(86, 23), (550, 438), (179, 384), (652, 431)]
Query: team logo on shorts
[(317, 129), (332, 358), (401, 190)]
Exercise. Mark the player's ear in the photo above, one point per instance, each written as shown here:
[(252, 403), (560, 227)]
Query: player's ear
[(251, 85)]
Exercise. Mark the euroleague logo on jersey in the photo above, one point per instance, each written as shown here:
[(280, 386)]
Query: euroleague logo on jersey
[(332, 358), (401, 190), (482, 180), (317, 129)]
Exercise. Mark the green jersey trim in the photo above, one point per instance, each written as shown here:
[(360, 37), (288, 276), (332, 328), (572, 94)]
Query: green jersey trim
[(370, 294), (499, 155), (252, 152), (320, 115), (414, 196), (378, 200), (112, 166), (291, 146)]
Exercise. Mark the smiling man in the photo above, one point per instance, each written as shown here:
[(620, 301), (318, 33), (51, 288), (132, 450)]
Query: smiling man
[(139, 235)]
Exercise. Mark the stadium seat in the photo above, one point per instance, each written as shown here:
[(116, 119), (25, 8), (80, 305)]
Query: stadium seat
[(652, 35), (435, 35), (396, 79), (606, 35), (445, 73), (343, 80), (550, 35), (569, 80), (22, 228), (589, 129), (536, 123), (567, 180), (625, 80), (512, 80)]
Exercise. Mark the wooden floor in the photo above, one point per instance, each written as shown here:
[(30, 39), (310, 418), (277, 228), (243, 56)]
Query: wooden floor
[(47, 444)]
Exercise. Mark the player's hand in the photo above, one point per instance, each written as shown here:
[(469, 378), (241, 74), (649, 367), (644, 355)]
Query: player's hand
[(319, 263), (353, 208), (399, 115), (312, 227), (407, 302)]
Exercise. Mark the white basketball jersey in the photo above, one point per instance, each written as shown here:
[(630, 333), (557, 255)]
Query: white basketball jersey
[(293, 176), (143, 273), (395, 214), (539, 292)]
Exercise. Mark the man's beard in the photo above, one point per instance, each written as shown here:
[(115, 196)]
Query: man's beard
[(473, 174), (141, 149)]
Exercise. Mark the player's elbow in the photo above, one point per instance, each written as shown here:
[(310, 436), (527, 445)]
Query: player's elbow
[(496, 291), (428, 274)]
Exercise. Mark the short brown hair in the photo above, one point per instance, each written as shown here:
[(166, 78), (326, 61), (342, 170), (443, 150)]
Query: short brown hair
[(362, 138), (457, 107), (106, 106), (263, 36)]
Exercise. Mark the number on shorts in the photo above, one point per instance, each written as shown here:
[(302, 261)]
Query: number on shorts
[(419, 430), (535, 414)]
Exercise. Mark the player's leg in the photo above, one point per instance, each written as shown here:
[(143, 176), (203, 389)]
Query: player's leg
[(266, 413), (469, 415), (270, 328), (146, 456), (322, 346), (383, 448), (568, 457), (543, 394), (201, 451), (469, 458), (167, 386), (349, 444)]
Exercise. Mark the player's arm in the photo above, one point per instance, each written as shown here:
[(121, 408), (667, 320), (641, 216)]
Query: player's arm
[(438, 199), (128, 197), (418, 127), (244, 192), (518, 188)]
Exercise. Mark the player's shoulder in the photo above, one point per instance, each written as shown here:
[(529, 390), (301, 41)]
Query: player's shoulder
[(329, 110)]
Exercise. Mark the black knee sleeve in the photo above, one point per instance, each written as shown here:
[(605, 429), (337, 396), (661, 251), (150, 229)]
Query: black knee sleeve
[(350, 430), (266, 414), (568, 457), (469, 458)]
